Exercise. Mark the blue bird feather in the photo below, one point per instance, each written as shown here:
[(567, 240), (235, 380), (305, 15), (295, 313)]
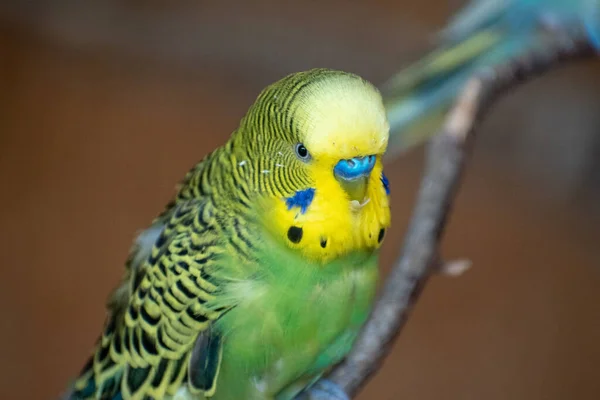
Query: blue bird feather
[(301, 199), (386, 183)]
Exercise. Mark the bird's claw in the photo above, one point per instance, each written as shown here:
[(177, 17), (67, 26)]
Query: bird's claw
[(323, 389)]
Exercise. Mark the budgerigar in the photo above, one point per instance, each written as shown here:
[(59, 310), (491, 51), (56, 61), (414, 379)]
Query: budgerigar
[(484, 33), (257, 277)]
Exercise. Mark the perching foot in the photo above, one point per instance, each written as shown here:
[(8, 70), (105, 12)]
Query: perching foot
[(323, 389)]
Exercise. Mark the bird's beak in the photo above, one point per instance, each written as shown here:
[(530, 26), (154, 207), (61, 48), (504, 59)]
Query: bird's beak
[(353, 174)]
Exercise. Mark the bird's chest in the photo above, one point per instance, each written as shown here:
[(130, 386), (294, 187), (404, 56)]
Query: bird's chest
[(282, 331)]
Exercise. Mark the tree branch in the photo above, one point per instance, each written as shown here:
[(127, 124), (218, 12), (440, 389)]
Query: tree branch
[(447, 154)]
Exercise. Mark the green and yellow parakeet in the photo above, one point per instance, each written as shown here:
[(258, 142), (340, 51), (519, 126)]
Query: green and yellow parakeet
[(257, 277)]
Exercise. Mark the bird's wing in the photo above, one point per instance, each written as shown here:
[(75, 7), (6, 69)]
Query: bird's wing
[(162, 333)]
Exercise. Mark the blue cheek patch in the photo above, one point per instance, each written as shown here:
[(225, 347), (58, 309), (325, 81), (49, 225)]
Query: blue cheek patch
[(386, 183), (301, 199)]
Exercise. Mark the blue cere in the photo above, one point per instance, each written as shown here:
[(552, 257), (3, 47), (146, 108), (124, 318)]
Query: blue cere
[(354, 168)]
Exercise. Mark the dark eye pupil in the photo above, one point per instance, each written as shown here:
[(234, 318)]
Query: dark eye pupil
[(301, 150)]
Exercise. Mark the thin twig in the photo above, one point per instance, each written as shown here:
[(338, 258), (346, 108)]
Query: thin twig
[(447, 154)]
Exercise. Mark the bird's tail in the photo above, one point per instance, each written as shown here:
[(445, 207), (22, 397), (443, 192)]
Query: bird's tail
[(483, 34), (417, 97)]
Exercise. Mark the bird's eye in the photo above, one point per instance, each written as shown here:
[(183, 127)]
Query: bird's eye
[(302, 152)]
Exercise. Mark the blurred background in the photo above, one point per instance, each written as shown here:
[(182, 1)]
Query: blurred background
[(105, 104)]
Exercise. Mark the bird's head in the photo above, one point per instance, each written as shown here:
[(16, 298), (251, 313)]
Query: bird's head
[(342, 131), (317, 139)]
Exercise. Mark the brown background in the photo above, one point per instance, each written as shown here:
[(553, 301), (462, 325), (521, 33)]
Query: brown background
[(105, 105)]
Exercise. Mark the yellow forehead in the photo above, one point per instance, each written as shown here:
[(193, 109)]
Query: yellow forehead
[(342, 117)]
